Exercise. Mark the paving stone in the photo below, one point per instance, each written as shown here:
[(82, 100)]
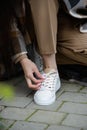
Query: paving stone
[(20, 86), (61, 90), (82, 83), (6, 123), (72, 87), (76, 121), (16, 102), (16, 113), (69, 107), (52, 107), (84, 129), (1, 97), (74, 82), (30, 116), (47, 117), (1, 108), (27, 126), (21, 89), (84, 90), (73, 97), (56, 127)]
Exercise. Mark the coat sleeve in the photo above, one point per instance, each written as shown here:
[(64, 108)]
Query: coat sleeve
[(17, 42)]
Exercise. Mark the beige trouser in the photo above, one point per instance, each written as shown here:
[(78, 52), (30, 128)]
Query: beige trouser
[(71, 45)]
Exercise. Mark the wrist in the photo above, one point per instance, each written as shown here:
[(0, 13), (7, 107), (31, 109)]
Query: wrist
[(21, 57), (23, 60)]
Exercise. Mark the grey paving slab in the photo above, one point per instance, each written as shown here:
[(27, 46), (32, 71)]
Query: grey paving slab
[(82, 83), (84, 90), (28, 126), (84, 129), (56, 127), (16, 113), (47, 117), (21, 89), (75, 82), (60, 92), (16, 102), (1, 108), (1, 97), (20, 86), (72, 87), (73, 97), (7, 123), (76, 121), (52, 107), (69, 107)]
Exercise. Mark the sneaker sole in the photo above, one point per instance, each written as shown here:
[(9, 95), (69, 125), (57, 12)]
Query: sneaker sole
[(38, 102)]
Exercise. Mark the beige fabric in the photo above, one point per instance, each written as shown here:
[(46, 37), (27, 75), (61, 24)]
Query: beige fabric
[(45, 20), (70, 42)]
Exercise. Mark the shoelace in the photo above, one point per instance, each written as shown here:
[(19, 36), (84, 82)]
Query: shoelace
[(49, 82)]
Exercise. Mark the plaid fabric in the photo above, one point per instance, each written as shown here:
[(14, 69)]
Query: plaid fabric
[(20, 31)]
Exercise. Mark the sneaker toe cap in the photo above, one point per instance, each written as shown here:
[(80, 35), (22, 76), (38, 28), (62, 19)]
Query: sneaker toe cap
[(44, 97)]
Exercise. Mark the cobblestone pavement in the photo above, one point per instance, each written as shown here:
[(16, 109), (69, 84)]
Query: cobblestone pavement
[(69, 112)]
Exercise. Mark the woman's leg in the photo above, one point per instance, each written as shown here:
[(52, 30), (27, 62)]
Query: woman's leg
[(45, 21)]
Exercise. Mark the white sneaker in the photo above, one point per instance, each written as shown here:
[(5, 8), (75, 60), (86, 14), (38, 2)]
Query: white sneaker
[(46, 94)]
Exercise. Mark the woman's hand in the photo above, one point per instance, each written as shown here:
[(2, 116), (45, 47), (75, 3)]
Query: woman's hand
[(30, 69)]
